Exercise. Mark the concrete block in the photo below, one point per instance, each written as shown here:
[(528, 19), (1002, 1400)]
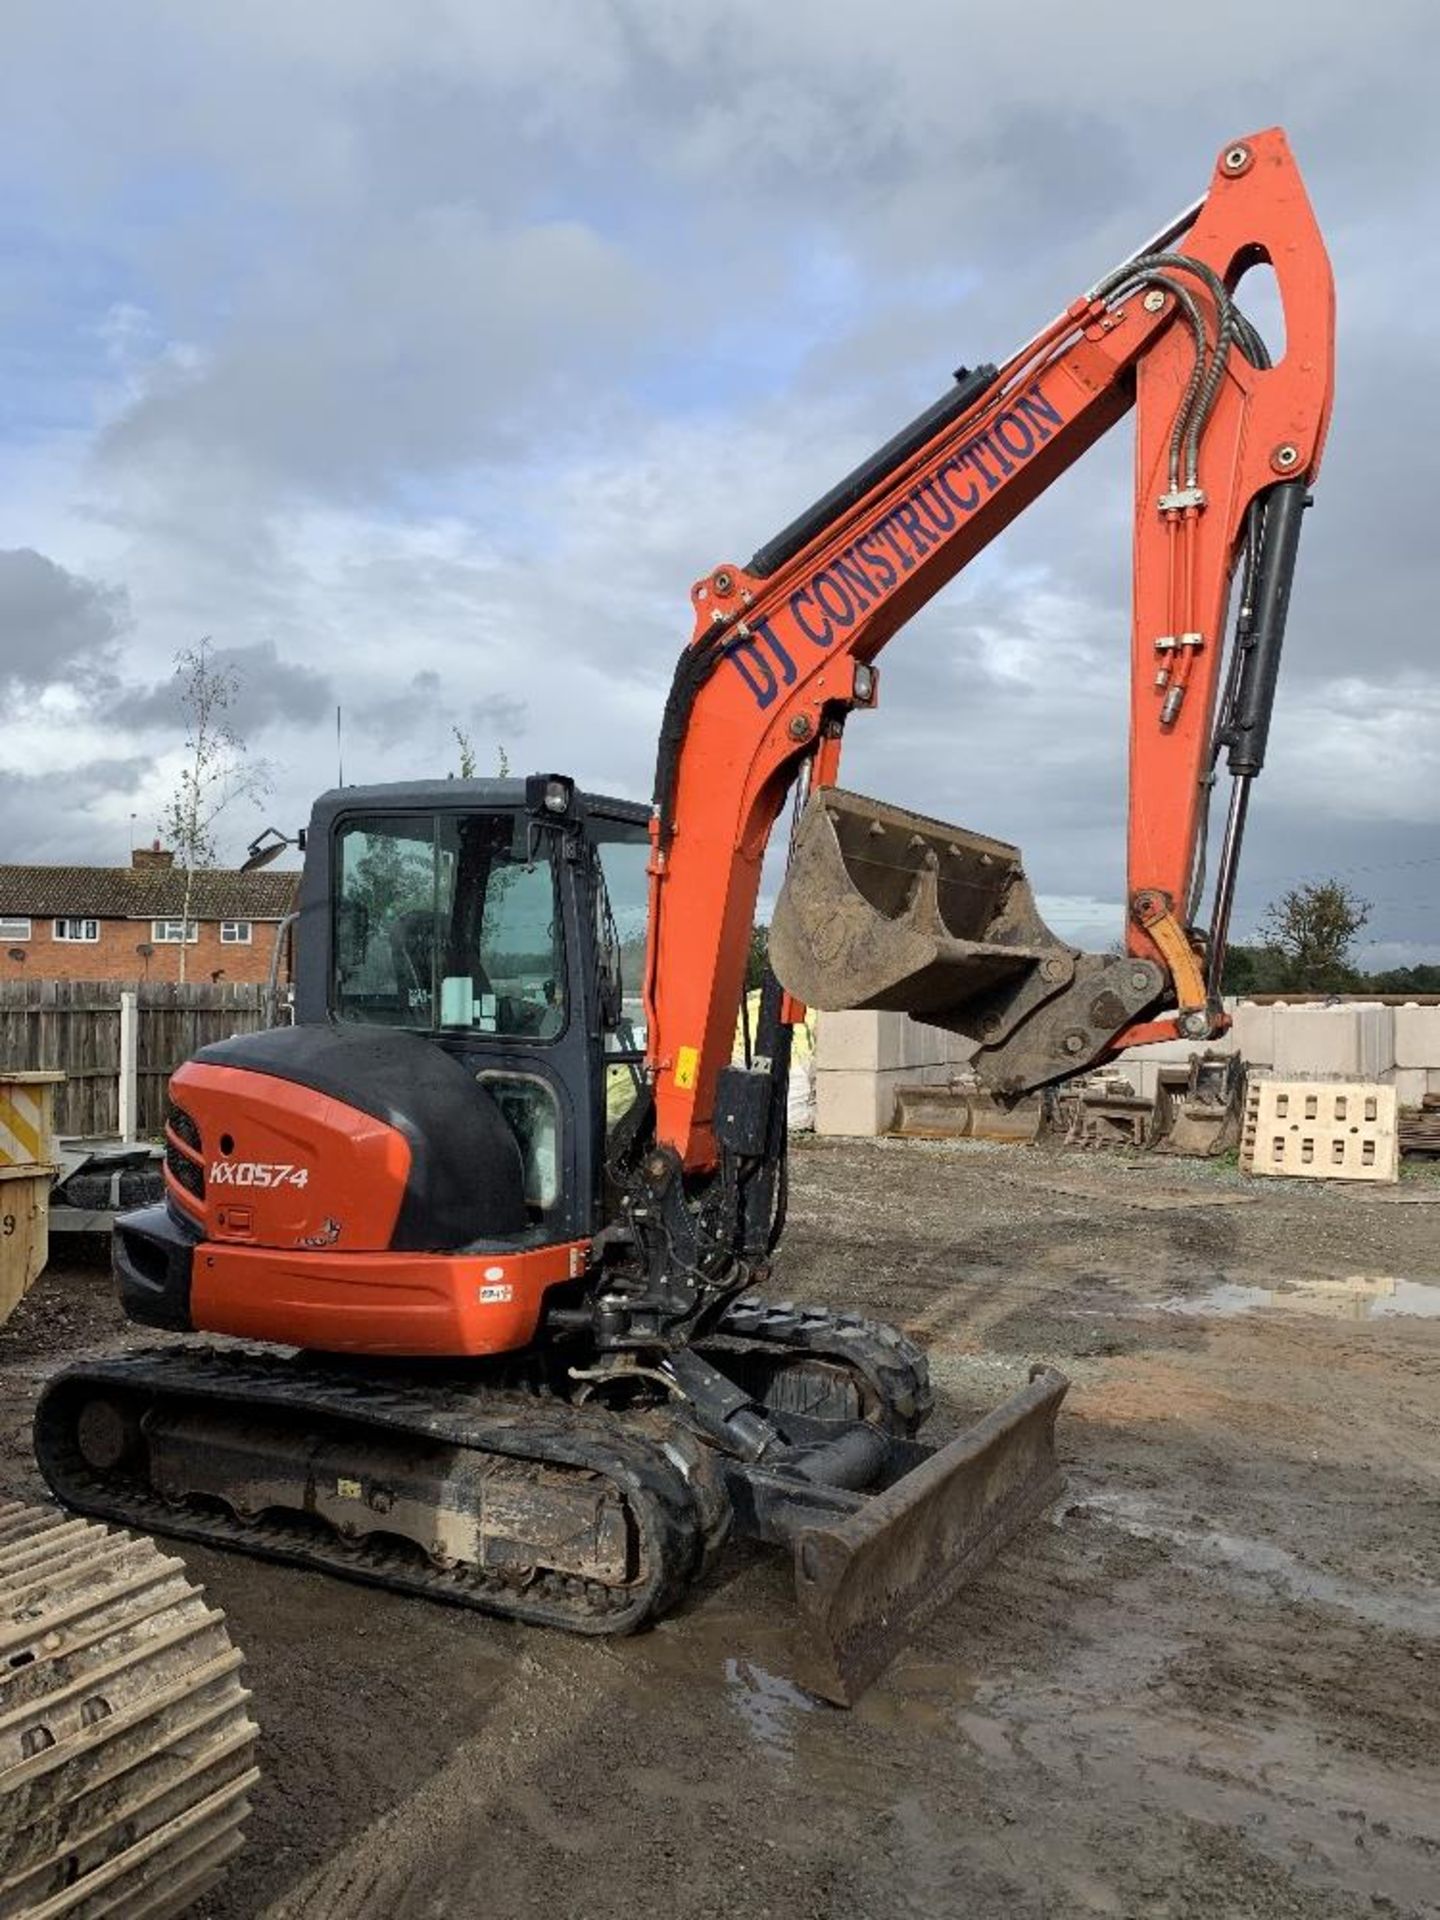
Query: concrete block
[(882, 1043), (959, 1051), (1376, 1042), (1411, 1085), (1417, 1037), (858, 1103), (1322, 1043), (848, 1101), (1253, 1032), (847, 1041), (1144, 1074)]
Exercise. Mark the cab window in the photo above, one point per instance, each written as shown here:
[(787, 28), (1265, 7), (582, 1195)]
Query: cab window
[(448, 921)]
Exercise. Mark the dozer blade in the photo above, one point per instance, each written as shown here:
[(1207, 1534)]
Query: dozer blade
[(886, 909), (866, 1582)]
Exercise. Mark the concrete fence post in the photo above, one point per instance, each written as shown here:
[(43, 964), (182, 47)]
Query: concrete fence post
[(129, 1063)]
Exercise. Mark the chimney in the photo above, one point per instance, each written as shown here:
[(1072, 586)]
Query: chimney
[(152, 856)]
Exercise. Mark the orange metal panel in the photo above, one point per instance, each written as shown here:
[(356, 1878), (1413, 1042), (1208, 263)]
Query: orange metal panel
[(395, 1303)]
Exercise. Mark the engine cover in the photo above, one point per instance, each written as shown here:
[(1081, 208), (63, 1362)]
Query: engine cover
[(329, 1137)]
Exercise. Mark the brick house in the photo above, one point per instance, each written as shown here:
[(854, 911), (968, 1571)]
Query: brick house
[(124, 923)]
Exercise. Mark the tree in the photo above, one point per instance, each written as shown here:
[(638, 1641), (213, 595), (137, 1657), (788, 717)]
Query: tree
[(467, 753), (1311, 931), (758, 957), (1424, 978), (217, 770), (467, 756), (1254, 970)]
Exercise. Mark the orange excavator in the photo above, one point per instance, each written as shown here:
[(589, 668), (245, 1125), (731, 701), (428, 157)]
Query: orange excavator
[(503, 1249)]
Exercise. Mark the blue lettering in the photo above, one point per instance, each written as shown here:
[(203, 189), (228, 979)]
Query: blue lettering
[(856, 579), (820, 639), (1022, 445), (910, 522), (930, 501), (885, 533), (995, 454), (826, 591), (782, 659), (1037, 410), (964, 501), (761, 681), (971, 457), (882, 566)]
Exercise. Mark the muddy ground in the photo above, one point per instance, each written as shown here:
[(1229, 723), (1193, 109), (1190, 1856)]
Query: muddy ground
[(1207, 1685)]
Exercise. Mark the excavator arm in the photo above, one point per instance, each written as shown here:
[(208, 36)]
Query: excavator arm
[(884, 908)]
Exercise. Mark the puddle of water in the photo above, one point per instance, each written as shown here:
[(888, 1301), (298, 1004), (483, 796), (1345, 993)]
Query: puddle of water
[(1262, 1560), (917, 1696), (767, 1703), (1356, 1296)]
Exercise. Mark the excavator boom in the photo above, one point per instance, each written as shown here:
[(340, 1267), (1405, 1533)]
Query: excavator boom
[(887, 909)]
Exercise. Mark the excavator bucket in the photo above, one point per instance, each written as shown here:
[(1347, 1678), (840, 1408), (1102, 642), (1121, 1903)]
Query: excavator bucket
[(883, 908), (865, 1582)]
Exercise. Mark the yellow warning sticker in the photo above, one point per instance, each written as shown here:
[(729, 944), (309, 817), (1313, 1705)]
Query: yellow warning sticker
[(687, 1066)]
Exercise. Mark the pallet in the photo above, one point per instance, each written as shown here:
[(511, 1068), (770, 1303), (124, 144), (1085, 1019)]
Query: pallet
[(1420, 1126), (1321, 1130)]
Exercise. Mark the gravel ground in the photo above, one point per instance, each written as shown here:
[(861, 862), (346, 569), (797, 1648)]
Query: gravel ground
[(1208, 1684)]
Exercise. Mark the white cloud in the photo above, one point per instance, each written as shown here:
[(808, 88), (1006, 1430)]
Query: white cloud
[(425, 356)]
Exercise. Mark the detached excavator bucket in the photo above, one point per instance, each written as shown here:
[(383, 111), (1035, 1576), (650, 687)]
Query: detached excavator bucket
[(887, 909), (867, 1581)]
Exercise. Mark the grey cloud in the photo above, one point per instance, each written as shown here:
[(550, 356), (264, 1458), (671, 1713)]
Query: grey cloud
[(624, 286), (432, 703), (270, 692), (422, 343), (54, 625), (55, 818)]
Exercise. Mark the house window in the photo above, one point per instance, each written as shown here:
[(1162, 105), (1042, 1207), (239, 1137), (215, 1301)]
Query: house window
[(234, 933), (18, 929), (71, 928), (170, 933)]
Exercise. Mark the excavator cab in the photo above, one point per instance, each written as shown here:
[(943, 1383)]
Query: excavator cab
[(488, 916)]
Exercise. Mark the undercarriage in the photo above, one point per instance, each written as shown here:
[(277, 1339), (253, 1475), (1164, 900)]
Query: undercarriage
[(588, 1501)]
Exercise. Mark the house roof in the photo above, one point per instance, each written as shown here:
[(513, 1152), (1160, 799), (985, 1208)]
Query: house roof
[(146, 893)]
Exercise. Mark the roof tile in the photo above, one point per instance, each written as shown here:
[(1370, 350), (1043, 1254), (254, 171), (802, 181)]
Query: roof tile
[(145, 893)]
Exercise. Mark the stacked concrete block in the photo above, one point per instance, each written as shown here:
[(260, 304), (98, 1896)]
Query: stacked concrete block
[(1411, 1085), (1334, 1043), (1253, 1033), (861, 1059), (1417, 1053)]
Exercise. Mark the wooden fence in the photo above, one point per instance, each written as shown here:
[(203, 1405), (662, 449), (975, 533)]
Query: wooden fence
[(75, 1025)]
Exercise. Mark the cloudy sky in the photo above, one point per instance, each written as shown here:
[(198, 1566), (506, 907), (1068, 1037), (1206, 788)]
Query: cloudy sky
[(424, 354)]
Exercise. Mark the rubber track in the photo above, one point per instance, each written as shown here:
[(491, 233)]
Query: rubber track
[(671, 1490), (126, 1750), (887, 1361)]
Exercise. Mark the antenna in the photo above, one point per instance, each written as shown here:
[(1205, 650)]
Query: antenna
[(339, 753)]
